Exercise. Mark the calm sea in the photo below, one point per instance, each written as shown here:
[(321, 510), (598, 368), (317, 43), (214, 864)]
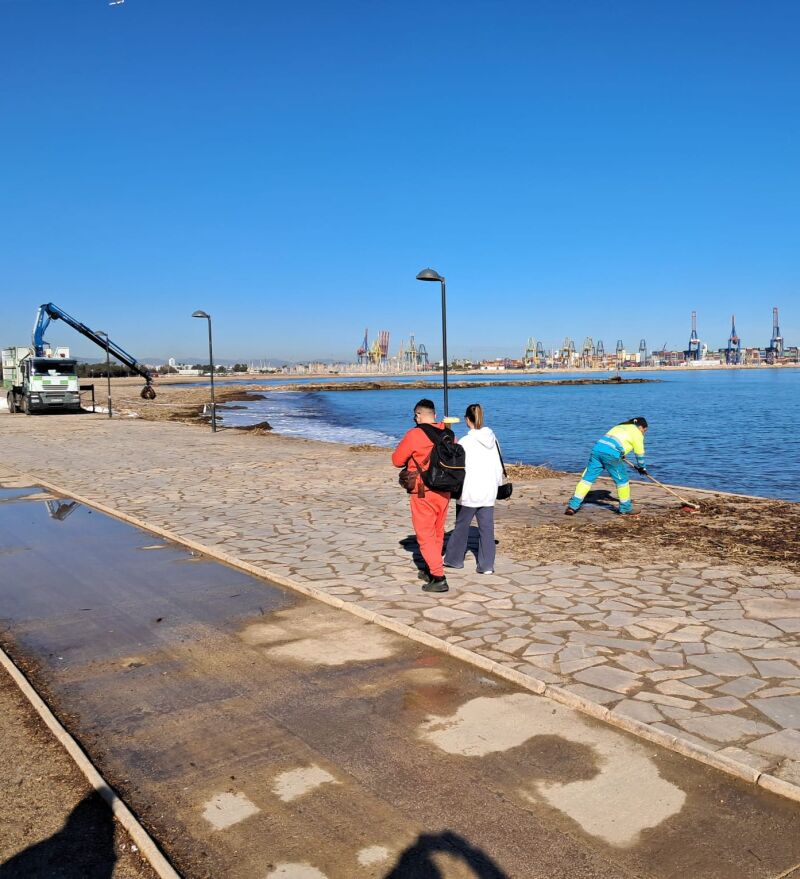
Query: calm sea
[(730, 430)]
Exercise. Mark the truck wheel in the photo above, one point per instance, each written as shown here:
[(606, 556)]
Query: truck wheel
[(25, 405), (12, 405)]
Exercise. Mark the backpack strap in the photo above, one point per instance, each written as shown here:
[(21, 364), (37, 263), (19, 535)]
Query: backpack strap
[(432, 439), (434, 434)]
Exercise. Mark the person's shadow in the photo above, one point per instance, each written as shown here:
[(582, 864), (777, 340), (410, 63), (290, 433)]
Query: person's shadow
[(410, 544), (82, 849), (416, 862), (600, 497)]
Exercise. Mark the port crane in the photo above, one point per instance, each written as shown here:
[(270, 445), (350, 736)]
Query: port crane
[(733, 353), (693, 351), (50, 312), (775, 349)]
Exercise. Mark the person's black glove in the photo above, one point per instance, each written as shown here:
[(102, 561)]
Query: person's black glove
[(642, 470)]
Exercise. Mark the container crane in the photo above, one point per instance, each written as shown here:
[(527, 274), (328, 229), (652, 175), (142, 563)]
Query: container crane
[(50, 312), (587, 352), (733, 353), (775, 349), (693, 351)]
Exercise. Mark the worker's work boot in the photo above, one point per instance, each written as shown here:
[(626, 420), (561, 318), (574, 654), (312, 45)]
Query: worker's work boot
[(630, 513), (436, 584), (424, 576), (569, 511)]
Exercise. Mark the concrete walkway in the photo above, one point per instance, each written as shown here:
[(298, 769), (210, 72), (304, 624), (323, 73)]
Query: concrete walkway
[(701, 657)]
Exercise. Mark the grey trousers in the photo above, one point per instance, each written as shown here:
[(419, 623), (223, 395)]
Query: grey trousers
[(457, 544)]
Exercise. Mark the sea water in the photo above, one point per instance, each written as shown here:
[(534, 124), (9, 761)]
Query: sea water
[(728, 430)]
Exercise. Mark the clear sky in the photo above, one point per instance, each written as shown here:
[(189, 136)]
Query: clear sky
[(574, 168)]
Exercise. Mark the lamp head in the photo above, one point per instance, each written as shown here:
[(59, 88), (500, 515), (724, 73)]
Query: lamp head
[(200, 314), (429, 275)]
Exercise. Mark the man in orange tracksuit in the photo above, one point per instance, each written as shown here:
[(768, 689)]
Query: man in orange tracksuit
[(428, 508)]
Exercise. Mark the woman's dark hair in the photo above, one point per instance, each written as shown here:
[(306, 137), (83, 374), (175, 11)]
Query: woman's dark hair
[(639, 421), (475, 414)]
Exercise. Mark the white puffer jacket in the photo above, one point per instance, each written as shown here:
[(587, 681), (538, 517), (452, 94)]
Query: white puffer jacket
[(484, 472)]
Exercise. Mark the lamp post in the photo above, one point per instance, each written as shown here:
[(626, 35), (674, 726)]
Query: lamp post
[(431, 275), (108, 368), (211, 365)]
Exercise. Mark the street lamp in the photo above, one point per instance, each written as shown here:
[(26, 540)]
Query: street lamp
[(108, 368), (211, 363), (431, 275)]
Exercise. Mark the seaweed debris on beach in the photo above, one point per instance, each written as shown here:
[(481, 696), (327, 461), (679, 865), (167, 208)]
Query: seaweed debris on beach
[(739, 531)]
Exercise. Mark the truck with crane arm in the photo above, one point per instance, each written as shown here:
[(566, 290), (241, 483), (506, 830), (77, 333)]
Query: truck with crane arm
[(38, 377)]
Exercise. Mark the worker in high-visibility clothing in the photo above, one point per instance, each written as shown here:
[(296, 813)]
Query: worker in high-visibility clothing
[(608, 453)]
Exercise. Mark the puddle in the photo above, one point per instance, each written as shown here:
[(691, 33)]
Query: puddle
[(10, 492), (79, 564)]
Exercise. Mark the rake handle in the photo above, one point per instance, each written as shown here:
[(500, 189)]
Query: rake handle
[(665, 487)]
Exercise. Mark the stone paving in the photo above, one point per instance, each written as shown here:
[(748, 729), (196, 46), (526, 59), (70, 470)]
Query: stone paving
[(704, 653)]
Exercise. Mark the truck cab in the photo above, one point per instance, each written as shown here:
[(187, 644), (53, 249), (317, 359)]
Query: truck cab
[(34, 384)]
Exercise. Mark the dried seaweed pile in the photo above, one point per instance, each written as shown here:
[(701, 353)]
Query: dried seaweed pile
[(739, 531)]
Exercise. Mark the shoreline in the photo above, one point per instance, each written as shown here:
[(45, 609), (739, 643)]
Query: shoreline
[(188, 403), (573, 370)]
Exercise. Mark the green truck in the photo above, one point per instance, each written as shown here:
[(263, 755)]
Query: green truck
[(34, 384)]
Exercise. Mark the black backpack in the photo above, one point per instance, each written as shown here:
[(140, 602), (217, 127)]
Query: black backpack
[(446, 462)]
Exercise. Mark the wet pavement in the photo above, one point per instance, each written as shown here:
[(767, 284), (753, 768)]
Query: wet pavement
[(257, 733)]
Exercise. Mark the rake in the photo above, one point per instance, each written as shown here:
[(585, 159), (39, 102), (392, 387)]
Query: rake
[(686, 506)]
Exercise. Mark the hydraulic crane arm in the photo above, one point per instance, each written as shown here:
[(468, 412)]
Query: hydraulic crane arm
[(49, 311)]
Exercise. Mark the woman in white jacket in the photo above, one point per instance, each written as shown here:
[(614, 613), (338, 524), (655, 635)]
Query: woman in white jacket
[(484, 473)]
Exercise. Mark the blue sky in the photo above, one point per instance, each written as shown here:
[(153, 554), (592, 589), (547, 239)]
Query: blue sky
[(573, 168)]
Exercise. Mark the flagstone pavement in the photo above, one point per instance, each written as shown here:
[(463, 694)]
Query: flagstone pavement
[(707, 655)]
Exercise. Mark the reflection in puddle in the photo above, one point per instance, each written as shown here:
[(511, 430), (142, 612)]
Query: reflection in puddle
[(60, 510)]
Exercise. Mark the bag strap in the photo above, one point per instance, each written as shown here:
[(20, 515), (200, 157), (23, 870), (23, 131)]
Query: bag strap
[(502, 462), (419, 469), (420, 478)]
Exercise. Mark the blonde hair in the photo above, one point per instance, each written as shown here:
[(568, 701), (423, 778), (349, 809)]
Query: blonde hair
[(475, 414)]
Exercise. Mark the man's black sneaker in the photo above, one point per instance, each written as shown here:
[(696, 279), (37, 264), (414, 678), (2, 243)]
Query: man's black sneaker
[(436, 584), (424, 576)]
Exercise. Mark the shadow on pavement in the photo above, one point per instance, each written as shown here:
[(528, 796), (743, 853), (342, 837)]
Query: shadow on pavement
[(82, 849), (410, 544), (601, 497), (416, 862)]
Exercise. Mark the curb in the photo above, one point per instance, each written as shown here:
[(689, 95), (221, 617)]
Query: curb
[(147, 846), (728, 765)]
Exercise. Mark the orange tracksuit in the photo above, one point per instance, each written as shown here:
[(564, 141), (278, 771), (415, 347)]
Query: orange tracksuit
[(429, 512)]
